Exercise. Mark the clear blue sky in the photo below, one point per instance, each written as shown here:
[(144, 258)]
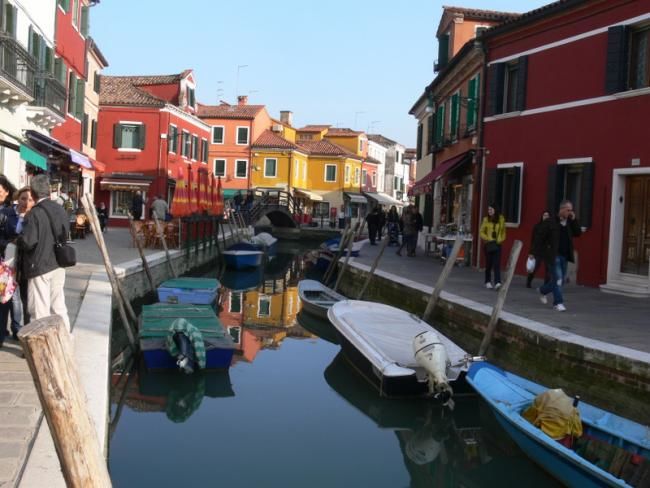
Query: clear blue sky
[(329, 62)]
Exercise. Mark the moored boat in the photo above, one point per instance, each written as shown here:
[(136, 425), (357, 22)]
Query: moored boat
[(317, 298), (243, 280), (243, 259), (183, 290), (158, 328), (332, 245), (612, 451), (380, 341)]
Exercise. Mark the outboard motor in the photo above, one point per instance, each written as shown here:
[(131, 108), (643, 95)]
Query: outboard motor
[(430, 354), (185, 359)]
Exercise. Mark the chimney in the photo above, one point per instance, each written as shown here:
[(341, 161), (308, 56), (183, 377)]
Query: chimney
[(242, 100), (286, 117)]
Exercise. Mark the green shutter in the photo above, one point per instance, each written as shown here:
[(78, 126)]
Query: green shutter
[(443, 51), (471, 102), (80, 98), (455, 105), (72, 92), (142, 134), (440, 124), (93, 134), (84, 21), (117, 135), (84, 129)]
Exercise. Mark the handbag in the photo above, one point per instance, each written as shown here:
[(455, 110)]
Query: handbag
[(65, 255), (530, 264), (7, 282)]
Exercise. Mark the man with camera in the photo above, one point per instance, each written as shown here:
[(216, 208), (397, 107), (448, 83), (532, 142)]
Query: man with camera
[(560, 242)]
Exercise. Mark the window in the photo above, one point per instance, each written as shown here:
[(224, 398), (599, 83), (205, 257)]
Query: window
[(121, 203), (195, 147), (235, 302), (504, 188), (242, 136), (72, 93), (241, 168), (96, 82), (453, 116), (60, 70), (186, 144), (75, 13), (364, 177), (64, 4), (217, 134), (347, 174), (357, 176), (84, 129), (264, 307), (270, 168), (374, 179), (191, 100), (572, 179), (506, 87), (321, 209), (628, 58), (472, 102), (330, 172), (360, 145), (639, 59), (172, 142), (83, 28), (418, 149), (93, 134), (304, 170), (204, 151), (430, 136), (128, 135), (440, 126), (220, 167)]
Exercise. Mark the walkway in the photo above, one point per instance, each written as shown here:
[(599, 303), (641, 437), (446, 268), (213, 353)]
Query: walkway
[(590, 313), (20, 410)]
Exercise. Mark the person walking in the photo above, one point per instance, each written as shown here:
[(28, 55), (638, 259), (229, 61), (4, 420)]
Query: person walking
[(160, 208), (136, 205), (539, 249), (8, 221), (418, 226), (19, 312), (237, 200), (408, 227), (45, 278), (381, 222), (392, 224), (102, 215), (372, 219), (493, 233), (560, 240)]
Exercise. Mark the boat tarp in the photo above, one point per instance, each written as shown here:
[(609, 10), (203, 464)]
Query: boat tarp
[(553, 412), (156, 320), (186, 283)]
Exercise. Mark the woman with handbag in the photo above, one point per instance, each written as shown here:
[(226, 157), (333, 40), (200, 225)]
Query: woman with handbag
[(539, 251), (493, 233), (8, 220)]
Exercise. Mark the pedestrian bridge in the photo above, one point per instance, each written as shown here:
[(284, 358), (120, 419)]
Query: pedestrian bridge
[(278, 206)]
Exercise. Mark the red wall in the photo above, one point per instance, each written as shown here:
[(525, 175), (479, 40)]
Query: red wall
[(167, 92)]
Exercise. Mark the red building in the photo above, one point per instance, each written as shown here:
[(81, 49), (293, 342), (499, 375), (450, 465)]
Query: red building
[(567, 98), (149, 138)]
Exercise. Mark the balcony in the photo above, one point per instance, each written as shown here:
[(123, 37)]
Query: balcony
[(48, 107), (17, 69)]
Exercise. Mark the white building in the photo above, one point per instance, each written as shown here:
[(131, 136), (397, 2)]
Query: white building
[(396, 173), (378, 152), (31, 98)]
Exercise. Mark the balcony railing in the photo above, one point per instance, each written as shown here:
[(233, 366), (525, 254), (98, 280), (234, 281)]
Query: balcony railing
[(16, 64), (49, 93)]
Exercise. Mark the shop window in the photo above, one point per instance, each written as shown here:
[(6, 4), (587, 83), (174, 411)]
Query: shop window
[(264, 309), (121, 203), (220, 167), (504, 189), (270, 168), (330, 172), (241, 168), (321, 209), (572, 180), (128, 136), (235, 302)]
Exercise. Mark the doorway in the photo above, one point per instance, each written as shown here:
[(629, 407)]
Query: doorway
[(635, 255)]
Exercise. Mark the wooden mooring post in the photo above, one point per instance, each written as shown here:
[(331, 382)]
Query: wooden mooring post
[(161, 235), (345, 263), (145, 263), (49, 354), (347, 234), (503, 293), (442, 279), (371, 273)]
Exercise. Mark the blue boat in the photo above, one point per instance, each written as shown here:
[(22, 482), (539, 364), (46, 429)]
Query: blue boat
[(332, 245), (243, 259), (156, 321), (243, 280), (510, 395), (194, 291)]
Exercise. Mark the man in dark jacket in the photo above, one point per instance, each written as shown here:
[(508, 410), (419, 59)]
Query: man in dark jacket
[(373, 225), (559, 242), (44, 276), (136, 205)]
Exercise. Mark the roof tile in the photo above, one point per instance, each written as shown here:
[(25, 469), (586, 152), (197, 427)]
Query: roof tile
[(326, 148), (227, 111), (269, 139)]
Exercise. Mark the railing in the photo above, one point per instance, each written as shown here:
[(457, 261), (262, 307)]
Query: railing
[(17, 64), (48, 92), (197, 231), (265, 200)]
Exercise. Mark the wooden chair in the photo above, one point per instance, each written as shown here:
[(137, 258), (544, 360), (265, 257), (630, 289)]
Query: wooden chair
[(171, 235), (138, 228), (80, 226)]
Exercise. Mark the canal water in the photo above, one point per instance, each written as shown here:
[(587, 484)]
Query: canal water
[(291, 412)]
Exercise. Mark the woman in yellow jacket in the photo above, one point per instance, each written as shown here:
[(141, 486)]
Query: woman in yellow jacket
[(493, 233)]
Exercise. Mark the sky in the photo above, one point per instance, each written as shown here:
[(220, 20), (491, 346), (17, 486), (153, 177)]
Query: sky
[(349, 63)]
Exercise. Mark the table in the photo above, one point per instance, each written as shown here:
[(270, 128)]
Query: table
[(442, 247)]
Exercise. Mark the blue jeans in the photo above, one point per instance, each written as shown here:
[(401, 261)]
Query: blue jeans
[(556, 280)]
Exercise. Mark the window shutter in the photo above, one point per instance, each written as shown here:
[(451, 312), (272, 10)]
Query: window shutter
[(419, 142), (84, 21), (554, 190), (617, 59), (513, 204), (12, 16), (522, 77), (440, 124), (587, 196), (93, 134), (455, 105), (97, 82), (80, 98), (443, 51), (495, 80), (142, 134), (84, 129), (430, 135), (117, 135), (471, 103), (491, 180), (72, 90)]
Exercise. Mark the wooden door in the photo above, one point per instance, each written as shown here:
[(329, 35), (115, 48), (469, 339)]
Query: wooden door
[(636, 236)]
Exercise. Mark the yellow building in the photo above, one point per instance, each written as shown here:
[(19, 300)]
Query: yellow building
[(276, 161), (273, 310), (354, 141)]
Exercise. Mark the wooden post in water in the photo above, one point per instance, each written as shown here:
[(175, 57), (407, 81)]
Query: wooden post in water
[(161, 236), (115, 284), (145, 263), (223, 235), (384, 243), (501, 298), (345, 264), (48, 351), (347, 234), (442, 279)]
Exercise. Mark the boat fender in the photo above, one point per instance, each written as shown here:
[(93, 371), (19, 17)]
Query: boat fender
[(431, 354), (185, 357)]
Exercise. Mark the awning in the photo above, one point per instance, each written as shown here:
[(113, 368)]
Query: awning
[(231, 192), (356, 198), (80, 159), (33, 157), (119, 184), (424, 184), (311, 195), (47, 144), (383, 199)]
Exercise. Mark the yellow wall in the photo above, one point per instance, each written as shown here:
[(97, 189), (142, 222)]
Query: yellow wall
[(289, 133), (316, 174), (283, 311), (312, 136), (282, 172), (299, 171)]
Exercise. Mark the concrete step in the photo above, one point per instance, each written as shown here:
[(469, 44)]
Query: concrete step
[(629, 286)]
